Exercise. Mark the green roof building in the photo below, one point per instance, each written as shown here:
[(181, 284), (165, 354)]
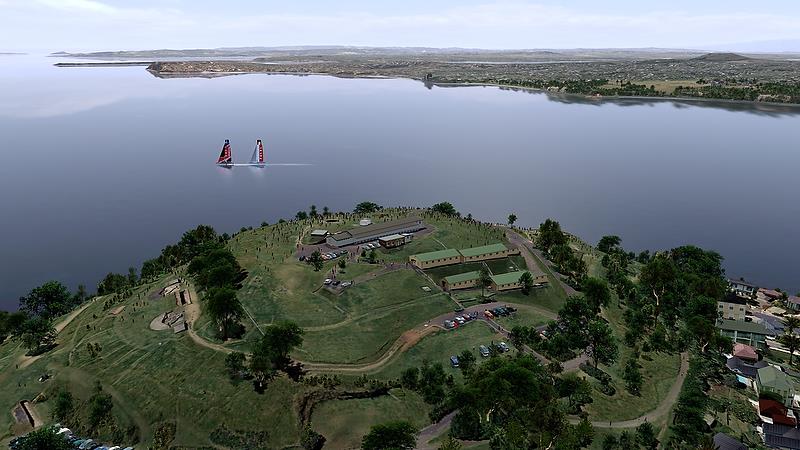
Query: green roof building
[(506, 281), (750, 333), (461, 281), (486, 252), (435, 259), (770, 379)]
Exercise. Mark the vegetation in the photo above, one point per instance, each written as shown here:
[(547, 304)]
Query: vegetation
[(390, 436), (44, 438)]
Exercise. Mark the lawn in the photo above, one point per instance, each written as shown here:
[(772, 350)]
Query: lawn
[(549, 298), (440, 346), (345, 422), (438, 273), (525, 316)]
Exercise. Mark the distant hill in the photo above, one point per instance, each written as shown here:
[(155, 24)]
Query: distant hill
[(722, 57)]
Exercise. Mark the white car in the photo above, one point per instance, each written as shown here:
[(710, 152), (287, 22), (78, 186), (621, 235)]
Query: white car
[(327, 281)]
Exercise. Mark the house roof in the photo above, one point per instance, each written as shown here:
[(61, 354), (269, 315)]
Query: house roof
[(743, 327), (376, 228), (744, 351), (439, 254), (319, 233), (392, 237), (483, 250), (741, 282), (782, 436), (775, 411), (794, 299), (724, 442), (770, 293), (743, 367), (774, 378), (461, 277), (735, 299), (508, 278)]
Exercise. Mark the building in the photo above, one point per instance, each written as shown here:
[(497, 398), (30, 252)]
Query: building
[(724, 442), (365, 222), (506, 281), (743, 288), (732, 307), (793, 303), (770, 379), (375, 231), (745, 352), (750, 333), (461, 281), (487, 252), (745, 368), (781, 436), (769, 294), (394, 240), (435, 259), (779, 413)]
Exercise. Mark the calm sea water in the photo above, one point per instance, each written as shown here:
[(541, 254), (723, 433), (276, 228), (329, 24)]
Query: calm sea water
[(104, 166)]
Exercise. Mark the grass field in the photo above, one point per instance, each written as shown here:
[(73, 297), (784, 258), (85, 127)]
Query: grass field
[(345, 422), (525, 316)]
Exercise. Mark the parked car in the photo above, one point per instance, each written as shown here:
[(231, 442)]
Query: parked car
[(454, 361), (327, 281), (488, 314), (335, 282), (467, 317), (474, 314), (347, 283), (460, 320), (449, 324), (510, 309), (503, 347), (484, 351)]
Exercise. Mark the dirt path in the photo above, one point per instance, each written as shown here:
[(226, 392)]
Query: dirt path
[(661, 410), (433, 431), (25, 361)]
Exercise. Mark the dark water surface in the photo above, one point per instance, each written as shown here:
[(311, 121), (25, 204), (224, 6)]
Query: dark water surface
[(104, 166)]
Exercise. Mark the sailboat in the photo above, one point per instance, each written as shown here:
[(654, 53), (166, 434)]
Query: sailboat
[(257, 160), (225, 157)]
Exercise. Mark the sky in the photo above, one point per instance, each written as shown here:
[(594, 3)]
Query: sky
[(87, 25)]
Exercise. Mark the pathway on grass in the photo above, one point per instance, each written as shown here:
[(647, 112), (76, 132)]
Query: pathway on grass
[(535, 259), (25, 361), (433, 431), (661, 410)]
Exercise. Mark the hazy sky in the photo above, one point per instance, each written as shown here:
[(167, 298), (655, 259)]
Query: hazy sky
[(145, 24)]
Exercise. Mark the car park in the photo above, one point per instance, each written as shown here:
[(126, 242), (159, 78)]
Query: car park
[(484, 351), (454, 361)]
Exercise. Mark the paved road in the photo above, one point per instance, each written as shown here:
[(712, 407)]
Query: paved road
[(523, 242)]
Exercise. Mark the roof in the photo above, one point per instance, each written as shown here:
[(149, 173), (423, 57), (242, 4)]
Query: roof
[(774, 378), (741, 282), (794, 299), (461, 277), (392, 237), (743, 327), (508, 278), (775, 411), (376, 228), (483, 250), (782, 436), (743, 367), (770, 293), (733, 298), (439, 254), (744, 351), (724, 442), (319, 232)]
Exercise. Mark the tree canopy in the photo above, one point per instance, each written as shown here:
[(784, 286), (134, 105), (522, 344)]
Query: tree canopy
[(49, 300), (390, 436), (445, 208), (367, 208)]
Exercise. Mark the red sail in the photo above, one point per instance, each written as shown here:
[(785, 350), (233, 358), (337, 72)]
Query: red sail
[(225, 155), (260, 152)]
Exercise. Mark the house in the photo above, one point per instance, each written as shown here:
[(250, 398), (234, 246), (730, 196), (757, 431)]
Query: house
[(777, 412), (745, 352), (319, 233), (781, 436), (750, 333), (793, 303), (724, 442), (770, 379), (394, 240), (506, 281), (435, 259), (374, 231), (769, 294), (732, 307), (487, 252), (745, 368), (770, 322), (461, 281), (743, 288)]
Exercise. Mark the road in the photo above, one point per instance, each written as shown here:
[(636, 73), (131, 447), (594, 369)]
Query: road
[(536, 259)]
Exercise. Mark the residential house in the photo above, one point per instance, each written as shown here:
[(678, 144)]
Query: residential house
[(743, 288), (781, 436), (793, 303), (745, 352), (724, 442), (769, 294), (745, 368), (750, 333), (487, 252), (776, 412), (732, 307), (507, 281), (773, 380)]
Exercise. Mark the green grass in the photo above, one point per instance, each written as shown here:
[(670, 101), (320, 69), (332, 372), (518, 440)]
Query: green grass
[(438, 273), (345, 422), (549, 298), (525, 316), (440, 346)]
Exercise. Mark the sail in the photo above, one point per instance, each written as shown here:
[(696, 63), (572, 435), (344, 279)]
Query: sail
[(258, 153), (225, 156), (254, 158)]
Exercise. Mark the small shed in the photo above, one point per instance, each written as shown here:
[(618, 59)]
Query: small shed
[(364, 222), (392, 241), (319, 233)]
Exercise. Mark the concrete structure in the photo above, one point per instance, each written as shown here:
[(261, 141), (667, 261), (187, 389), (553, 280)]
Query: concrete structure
[(743, 288), (375, 231), (435, 259), (461, 281), (506, 281), (732, 307), (487, 252), (770, 379), (393, 240), (750, 333)]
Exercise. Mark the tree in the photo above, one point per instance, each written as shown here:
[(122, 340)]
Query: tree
[(132, 277), (234, 362), (63, 406), (609, 244), (316, 260), (301, 215), (431, 382), (325, 211), (313, 211), (44, 438), (390, 436), (342, 263), (271, 353), (100, 405), (311, 440), (48, 300), (632, 376), (38, 334), (596, 292), (657, 275), (466, 362), (445, 208), (511, 219), (550, 234), (373, 256), (367, 208), (602, 346), (646, 436), (451, 443), (224, 308), (409, 378), (526, 280), (193, 242), (484, 279), (789, 338)]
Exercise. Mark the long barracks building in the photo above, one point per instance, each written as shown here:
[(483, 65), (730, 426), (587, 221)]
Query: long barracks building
[(375, 231), (451, 256)]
